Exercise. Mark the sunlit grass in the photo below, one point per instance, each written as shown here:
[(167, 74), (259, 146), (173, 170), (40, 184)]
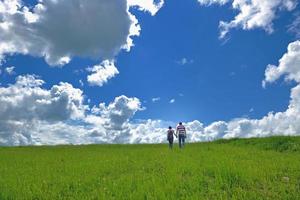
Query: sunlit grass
[(266, 168)]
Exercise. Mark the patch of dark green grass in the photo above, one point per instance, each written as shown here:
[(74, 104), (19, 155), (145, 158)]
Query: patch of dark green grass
[(278, 143)]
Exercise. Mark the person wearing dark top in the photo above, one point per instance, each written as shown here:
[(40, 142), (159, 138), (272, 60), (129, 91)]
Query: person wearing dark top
[(170, 137)]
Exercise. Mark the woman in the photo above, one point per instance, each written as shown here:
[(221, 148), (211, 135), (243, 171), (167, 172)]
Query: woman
[(170, 137)]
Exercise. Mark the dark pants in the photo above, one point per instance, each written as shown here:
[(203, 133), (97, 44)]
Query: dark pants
[(181, 140), (170, 142)]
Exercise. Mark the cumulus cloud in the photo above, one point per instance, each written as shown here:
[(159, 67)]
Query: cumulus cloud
[(116, 115), (60, 30), (30, 114), (26, 101), (288, 65), (289, 68), (102, 73), (252, 14)]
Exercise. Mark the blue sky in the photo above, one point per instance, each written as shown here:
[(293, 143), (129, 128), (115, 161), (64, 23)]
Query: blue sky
[(223, 80), (178, 55)]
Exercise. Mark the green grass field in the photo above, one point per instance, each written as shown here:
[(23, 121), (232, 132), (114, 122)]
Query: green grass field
[(267, 168)]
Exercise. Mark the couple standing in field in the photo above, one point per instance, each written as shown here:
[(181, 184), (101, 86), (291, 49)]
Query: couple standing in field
[(180, 133)]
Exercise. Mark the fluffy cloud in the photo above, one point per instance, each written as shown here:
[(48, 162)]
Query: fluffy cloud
[(252, 14), (31, 114), (102, 73), (27, 101), (60, 30), (115, 116), (289, 68), (288, 65)]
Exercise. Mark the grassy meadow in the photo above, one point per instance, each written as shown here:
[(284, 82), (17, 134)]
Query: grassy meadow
[(265, 168)]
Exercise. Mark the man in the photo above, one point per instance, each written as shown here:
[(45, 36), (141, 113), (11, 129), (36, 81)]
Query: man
[(181, 132), (170, 137)]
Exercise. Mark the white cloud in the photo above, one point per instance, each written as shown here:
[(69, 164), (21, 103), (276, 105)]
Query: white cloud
[(30, 114), (10, 70), (60, 30), (25, 104), (289, 68), (27, 101), (116, 115), (215, 130), (155, 99), (147, 5), (102, 73), (172, 101), (288, 65), (253, 13)]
